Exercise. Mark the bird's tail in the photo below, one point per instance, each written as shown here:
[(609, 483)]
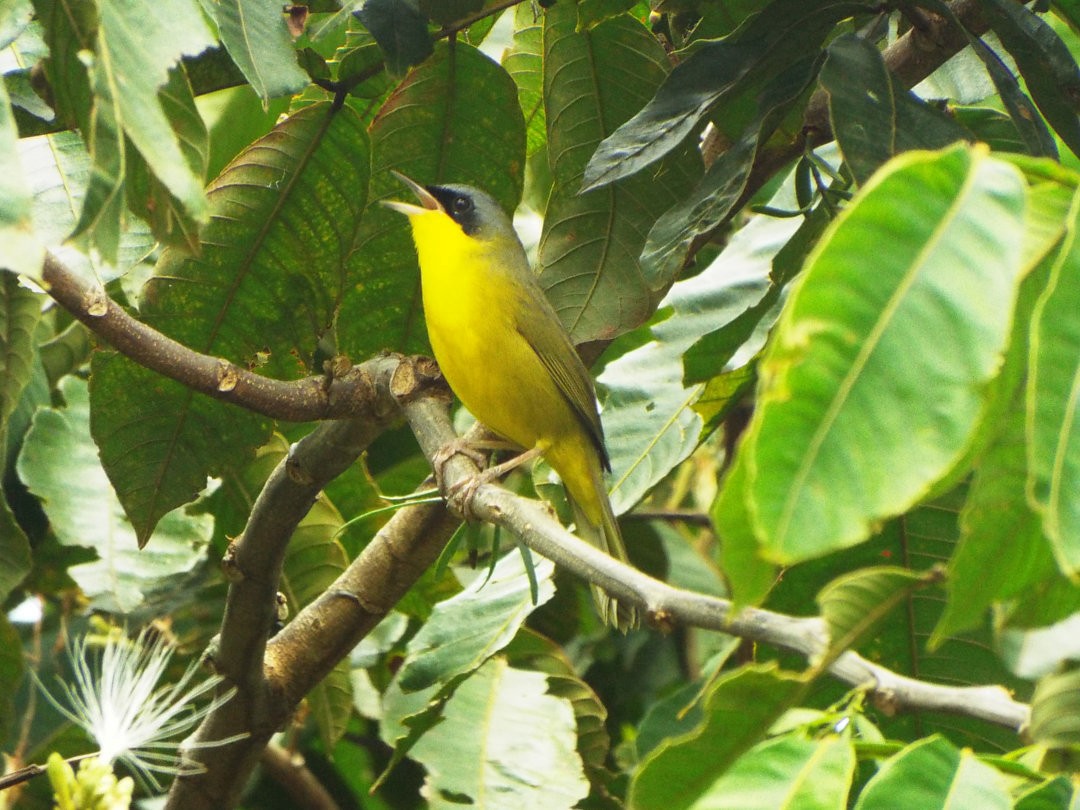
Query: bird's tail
[(607, 537), (595, 522)]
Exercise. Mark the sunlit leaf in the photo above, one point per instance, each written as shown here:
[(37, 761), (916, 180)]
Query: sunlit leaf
[(22, 252), (254, 34), (932, 773), (468, 628), (59, 463), (736, 714), (504, 743), (927, 329), (1053, 440)]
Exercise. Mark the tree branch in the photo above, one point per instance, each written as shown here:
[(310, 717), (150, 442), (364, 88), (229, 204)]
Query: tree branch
[(271, 678), (664, 604), (345, 394)]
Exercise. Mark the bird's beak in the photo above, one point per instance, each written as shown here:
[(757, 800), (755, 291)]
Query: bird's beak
[(428, 202)]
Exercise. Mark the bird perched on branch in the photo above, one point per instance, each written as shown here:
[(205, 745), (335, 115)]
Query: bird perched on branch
[(507, 356)]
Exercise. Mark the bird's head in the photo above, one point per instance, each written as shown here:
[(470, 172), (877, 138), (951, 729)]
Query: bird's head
[(475, 212)]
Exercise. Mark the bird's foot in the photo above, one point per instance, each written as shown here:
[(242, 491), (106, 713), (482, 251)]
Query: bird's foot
[(460, 494)]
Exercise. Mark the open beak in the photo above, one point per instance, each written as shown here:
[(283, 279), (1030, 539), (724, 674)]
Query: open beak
[(426, 198)]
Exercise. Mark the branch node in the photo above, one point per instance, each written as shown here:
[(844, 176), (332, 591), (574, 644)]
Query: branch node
[(296, 470), (229, 567), (95, 302), (227, 375)]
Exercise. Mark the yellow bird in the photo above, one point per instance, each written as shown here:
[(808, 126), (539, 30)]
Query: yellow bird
[(506, 354)]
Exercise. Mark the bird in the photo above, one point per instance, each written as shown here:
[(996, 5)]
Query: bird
[(508, 357)]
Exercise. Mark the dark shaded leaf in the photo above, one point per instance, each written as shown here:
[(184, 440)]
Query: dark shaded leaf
[(256, 37), (872, 115), (1044, 61), (401, 31), (588, 255), (712, 201), (266, 286), (785, 32)]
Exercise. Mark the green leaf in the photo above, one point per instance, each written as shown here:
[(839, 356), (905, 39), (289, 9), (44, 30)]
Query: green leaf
[(715, 197), (467, 629), (589, 251), (150, 199), (58, 169), (59, 463), (504, 744), (401, 31), (1053, 794), (872, 115), (931, 774), (1055, 710), (749, 575), (429, 128), (524, 61), (130, 66), (1045, 62), (926, 329), (15, 556), (23, 253), (736, 714), (1053, 442), (264, 289), (787, 773), (855, 605), (783, 33), (531, 651), (20, 311), (255, 35)]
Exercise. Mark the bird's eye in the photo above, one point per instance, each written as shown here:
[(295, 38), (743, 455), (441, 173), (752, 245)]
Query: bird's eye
[(461, 205)]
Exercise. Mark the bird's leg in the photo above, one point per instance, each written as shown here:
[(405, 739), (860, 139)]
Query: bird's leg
[(463, 491)]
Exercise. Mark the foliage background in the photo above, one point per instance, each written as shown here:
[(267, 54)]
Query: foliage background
[(906, 464)]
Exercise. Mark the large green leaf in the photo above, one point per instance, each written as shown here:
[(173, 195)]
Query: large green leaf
[(429, 128), (470, 627), (589, 250), (1053, 437), (737, 713), (254, 34), (22, 252), (785, 773), (265, 287), (59, 463), (505, 743), (58, 170), (524, 61), (131, 64), (20, 311), (934, 775), (70, 30), (900, 355), (783, 33), (872, 115)]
